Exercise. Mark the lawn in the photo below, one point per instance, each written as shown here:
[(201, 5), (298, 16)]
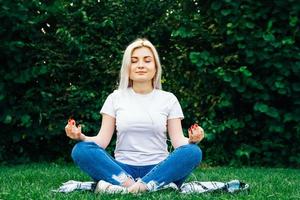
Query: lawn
[(35, 181)]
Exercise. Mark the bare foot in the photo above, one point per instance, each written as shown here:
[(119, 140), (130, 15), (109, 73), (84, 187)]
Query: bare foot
[(129, 182), (137, 188)]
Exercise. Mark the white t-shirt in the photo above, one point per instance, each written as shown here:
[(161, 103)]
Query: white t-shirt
[(141, 123)]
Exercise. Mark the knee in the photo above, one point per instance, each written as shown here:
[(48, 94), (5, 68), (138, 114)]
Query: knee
[(81, 150), (77, 151), (195, 153)]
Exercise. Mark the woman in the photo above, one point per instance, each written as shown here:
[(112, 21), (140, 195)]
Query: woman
[(142, 114)]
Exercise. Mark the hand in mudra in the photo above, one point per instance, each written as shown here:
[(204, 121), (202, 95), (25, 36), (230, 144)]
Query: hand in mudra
[(73, 131), (196, 134)]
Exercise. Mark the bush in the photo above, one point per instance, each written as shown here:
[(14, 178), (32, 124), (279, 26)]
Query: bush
[(238, 64)]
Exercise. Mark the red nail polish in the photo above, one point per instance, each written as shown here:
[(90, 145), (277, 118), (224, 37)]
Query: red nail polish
[(72, 122)]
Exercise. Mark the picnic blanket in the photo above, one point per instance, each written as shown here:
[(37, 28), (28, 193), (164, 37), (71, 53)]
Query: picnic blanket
[(186, 188)]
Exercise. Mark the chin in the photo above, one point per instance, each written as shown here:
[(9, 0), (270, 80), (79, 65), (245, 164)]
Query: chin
[(141, 80)]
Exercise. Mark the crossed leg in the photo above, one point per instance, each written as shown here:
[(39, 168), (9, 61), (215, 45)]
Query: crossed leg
[(99, 165)]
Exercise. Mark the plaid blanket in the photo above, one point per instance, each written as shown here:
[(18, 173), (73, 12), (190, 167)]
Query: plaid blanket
[(186, 188)]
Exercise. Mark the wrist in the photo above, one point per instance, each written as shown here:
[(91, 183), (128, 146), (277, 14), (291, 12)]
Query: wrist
[(82, 137), (193, 142)]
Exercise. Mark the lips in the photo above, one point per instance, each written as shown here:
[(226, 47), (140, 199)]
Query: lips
[(141, 72)]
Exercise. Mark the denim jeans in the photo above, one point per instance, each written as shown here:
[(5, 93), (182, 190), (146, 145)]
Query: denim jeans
[(99, 165)]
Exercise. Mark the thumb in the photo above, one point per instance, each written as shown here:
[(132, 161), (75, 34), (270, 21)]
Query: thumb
[(190, 133), (79, 128)]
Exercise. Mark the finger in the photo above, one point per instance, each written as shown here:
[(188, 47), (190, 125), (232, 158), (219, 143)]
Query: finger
[(73, 123), (202, 133), (194, 129), (200, 136), (194, 137), (196, 133), (201, 129), (190, 133), (79, 128), (67, 130)]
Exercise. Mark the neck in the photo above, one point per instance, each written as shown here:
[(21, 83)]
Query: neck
[(142, 88)]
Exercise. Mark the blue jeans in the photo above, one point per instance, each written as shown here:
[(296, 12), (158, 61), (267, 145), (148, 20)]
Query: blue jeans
[(99, 165)]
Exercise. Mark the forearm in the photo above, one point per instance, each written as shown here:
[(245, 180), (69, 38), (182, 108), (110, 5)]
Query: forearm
[(94, 139), (180, 142)]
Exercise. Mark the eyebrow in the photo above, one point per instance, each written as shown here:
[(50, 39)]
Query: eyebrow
[(144, 57)]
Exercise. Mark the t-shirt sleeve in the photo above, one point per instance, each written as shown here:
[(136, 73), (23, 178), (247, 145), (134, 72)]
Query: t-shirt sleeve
[(108, 106), (175, 109)]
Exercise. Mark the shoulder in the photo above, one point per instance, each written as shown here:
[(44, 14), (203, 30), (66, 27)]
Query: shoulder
[(118, 94), (115, 93), (166, 94)]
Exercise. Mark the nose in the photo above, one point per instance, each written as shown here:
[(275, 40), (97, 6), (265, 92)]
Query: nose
[(140, 65)]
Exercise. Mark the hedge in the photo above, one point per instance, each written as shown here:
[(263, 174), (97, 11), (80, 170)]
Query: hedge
[(234, 66)]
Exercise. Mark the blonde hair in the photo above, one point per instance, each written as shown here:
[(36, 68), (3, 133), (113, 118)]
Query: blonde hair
[(126, 62)]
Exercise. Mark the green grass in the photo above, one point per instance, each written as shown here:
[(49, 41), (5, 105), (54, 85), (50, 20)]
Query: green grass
[(35, 181)]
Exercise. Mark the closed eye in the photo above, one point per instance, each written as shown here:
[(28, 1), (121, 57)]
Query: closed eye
[(134, 60), (148, 59)]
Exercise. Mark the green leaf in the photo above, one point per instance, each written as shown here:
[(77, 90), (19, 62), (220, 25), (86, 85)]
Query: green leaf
[(270, 24), (2, 96), (43, 69), (224, 103), (227, 78), (269, 37), (226, 12), (272, 112), (261, 107), (288, 117), (7, 119), (293, 21), (282, 91), (26, 120), (216, 5), (220, 71), (279, 84), (182, 32), (229, 25), (107, 23), (250, 25), (249, 53), (194, 57), (296, 67), (241, 89), (296, 87), (235, 82), (19, 43), (276, 128), (288, 41), (245, 71)]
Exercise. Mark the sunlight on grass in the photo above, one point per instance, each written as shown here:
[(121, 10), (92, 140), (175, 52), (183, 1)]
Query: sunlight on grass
[(35, 181)]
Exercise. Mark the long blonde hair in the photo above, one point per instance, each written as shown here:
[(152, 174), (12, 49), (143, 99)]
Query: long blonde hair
[(126, 62)]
